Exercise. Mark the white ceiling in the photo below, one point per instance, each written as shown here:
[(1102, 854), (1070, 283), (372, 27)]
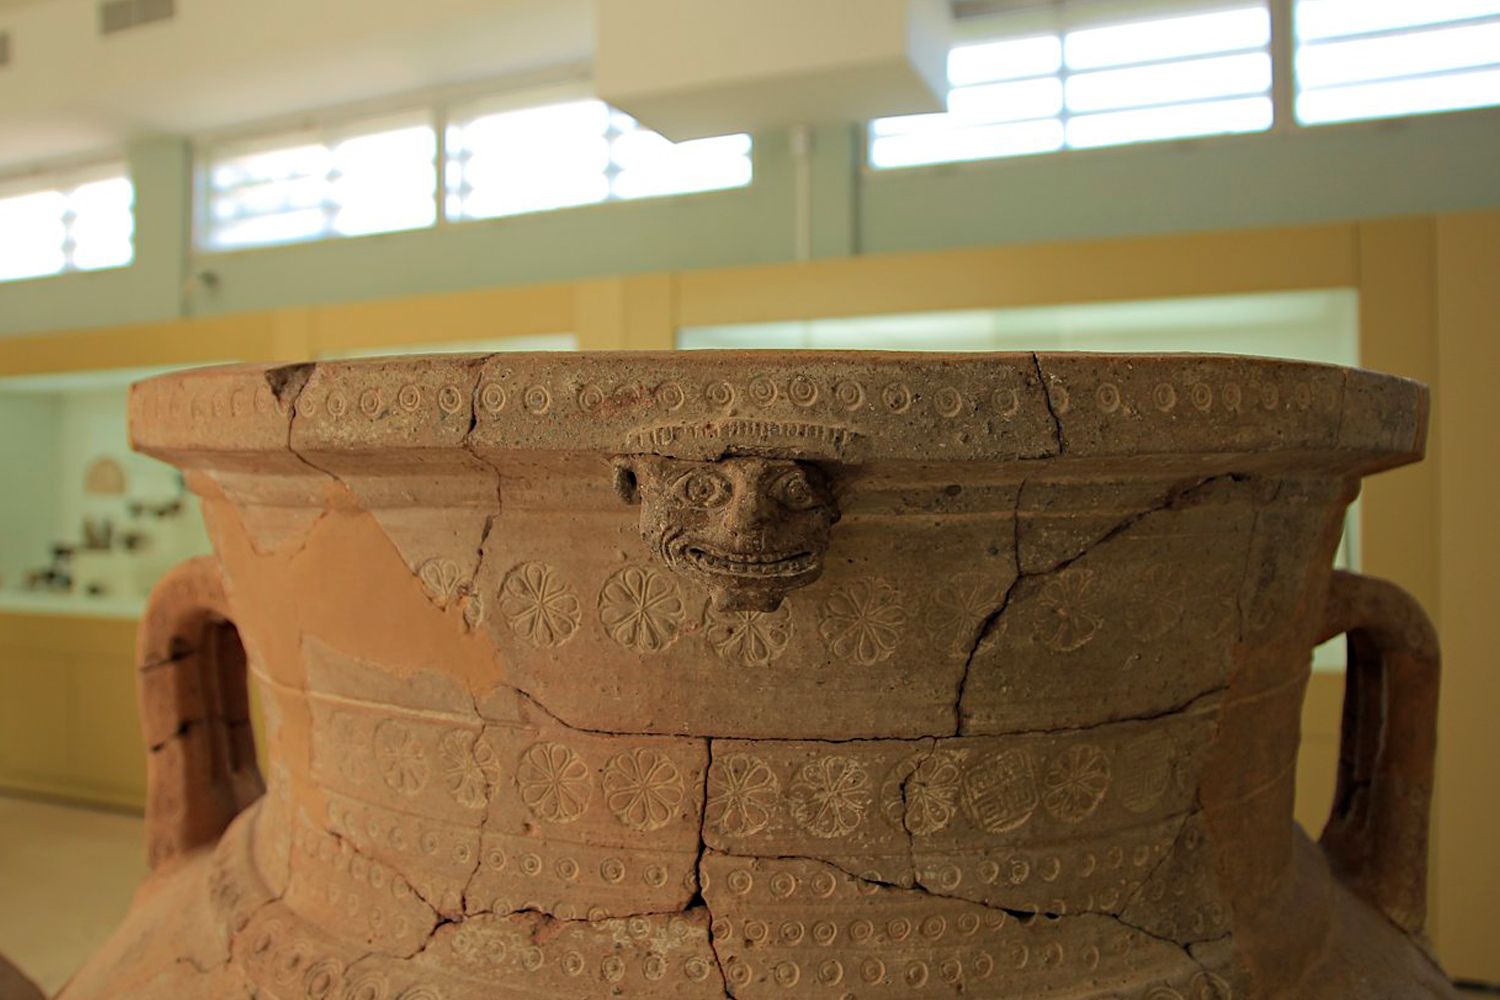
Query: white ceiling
[(68, 92)]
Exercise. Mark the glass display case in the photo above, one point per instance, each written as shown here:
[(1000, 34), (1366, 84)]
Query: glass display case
[(1318, 325), (90, 525), (87, 527)]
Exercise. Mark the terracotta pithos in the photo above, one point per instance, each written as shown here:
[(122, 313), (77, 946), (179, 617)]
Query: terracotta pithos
[(772, 675)]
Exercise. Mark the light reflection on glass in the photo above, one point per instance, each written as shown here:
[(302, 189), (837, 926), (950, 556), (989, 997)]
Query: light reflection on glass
[(1172, 122), (977, 142), (1008, 59), (577, 153), (1400, 97), (1001, 102), (1170, 83), (1389, 56), (1168, 38), (1317, 19)]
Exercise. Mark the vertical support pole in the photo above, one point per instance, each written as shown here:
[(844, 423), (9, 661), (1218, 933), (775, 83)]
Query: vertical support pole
[(837, 160), (1283, 64), (161, 170), (802, 199)]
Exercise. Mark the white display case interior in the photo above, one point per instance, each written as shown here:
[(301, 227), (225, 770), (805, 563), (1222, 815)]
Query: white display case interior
[(89, 525)]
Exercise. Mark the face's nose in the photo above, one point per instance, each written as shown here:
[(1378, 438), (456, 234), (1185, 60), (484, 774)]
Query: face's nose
[(750, 511)]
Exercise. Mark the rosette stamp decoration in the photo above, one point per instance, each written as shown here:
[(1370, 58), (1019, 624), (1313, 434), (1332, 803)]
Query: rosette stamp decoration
[(810, 675)]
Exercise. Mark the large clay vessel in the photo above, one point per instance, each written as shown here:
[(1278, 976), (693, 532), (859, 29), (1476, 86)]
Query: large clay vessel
[(764, 675)]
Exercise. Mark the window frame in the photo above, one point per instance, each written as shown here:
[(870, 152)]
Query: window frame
[(442, 111), (1295, 46), (1059, 20), (67, 176), (325, 130), (460, 113), (994, 20)]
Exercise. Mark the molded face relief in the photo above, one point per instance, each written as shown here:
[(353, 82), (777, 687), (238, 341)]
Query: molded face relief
[(751, 530)]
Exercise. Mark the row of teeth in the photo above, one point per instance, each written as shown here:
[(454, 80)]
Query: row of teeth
[(754, 565)]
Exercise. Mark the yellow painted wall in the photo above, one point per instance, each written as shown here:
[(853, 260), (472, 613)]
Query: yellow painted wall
[(67, 709), (1427, 294), (1466, 251)]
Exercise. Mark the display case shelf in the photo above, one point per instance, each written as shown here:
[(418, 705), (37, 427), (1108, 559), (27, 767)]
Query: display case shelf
[(26, 602)]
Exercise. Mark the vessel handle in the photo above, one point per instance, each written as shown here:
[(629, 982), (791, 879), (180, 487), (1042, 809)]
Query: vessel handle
[(1376, 835), (195, 712)]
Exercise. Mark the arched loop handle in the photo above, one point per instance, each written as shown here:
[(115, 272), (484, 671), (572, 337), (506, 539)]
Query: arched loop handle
[(1376, 836), (195, 712)]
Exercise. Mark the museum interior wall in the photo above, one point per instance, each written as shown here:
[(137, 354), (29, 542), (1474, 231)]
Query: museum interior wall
[(1368, 243)]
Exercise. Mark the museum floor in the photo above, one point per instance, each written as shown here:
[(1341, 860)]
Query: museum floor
[(66, 877)]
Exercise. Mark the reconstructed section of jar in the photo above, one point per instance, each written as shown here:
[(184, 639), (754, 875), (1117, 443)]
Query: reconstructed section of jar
[(771, 674)]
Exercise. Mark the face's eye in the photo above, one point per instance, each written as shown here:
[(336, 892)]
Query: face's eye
[(702, 489), (793, 490)]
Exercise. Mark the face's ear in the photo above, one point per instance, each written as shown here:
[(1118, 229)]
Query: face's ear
[(822, 482), (626, 487)]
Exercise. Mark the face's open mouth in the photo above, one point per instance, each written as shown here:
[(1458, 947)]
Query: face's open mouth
[(751, 564)]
